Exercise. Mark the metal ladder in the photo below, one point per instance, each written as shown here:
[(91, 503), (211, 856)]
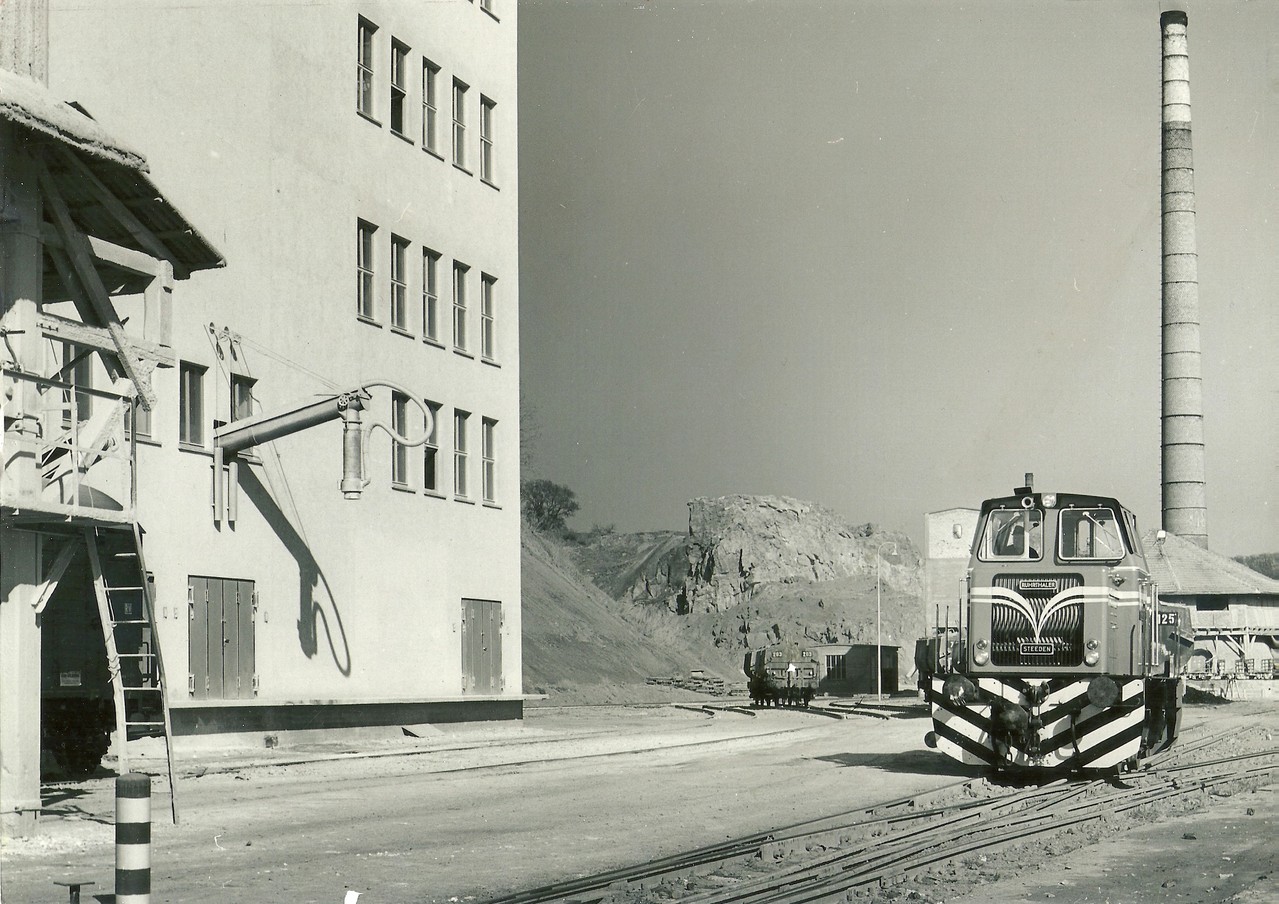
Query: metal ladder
[(126, 607)]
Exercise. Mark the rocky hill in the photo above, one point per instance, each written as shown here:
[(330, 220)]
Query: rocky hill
[(739, 545), (749, 571), (582, 646), (1266, 563)]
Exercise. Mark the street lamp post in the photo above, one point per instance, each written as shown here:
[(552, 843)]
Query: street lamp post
[(879, 650)]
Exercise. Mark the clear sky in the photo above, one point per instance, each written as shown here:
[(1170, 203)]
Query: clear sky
[(887, 256)]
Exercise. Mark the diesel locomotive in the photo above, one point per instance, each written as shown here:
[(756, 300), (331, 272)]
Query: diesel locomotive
[(1064, 657)]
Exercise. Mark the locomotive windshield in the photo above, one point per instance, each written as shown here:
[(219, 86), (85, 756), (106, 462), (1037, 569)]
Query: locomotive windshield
[(1090, 533), (1013, 535)]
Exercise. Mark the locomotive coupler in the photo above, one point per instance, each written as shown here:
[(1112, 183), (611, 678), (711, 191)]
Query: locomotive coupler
[(1032, 734), (1035, 697)]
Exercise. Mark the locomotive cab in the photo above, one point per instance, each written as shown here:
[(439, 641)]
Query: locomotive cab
[(1058, 584)]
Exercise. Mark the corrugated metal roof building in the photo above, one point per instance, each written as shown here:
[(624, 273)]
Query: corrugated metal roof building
[(1236, 609)]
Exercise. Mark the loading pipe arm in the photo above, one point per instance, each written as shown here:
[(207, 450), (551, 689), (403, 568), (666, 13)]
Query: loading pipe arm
[(253, 431), (249, 432)]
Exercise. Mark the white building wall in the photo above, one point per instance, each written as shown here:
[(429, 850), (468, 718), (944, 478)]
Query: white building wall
[(948, 539), (247, 113)]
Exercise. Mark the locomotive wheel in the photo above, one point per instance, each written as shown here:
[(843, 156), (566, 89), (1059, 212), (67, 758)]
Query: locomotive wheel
[(80, 755), (80, 761), (77, 737)]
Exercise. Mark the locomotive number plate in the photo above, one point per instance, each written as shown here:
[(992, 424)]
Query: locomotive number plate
[(1036, 649)]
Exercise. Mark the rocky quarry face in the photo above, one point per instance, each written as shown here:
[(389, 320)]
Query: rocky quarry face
[(749, 572), (738, 544)]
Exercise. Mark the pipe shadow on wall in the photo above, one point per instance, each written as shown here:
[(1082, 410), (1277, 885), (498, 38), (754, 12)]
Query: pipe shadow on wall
[(310, 577)]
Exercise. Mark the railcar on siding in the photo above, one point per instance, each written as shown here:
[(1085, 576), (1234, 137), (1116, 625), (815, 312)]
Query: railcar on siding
[(1065, 658)]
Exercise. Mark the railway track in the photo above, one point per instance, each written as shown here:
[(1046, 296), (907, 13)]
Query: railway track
[(823, 860), (882, 711)]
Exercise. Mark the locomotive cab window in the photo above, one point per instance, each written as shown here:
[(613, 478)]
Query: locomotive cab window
[(1090, 533), (1013, 535)]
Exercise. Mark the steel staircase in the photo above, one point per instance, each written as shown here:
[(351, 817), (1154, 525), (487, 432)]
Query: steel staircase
[(126, 607)]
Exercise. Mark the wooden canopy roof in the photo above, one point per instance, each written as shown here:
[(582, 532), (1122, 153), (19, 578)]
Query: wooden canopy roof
[(103, 183)]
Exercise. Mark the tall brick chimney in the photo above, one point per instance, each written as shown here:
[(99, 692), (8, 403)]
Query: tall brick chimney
[(1185, 510)]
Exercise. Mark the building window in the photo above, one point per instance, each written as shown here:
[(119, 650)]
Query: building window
[(430, 109), (191, 404), (399, 87), (141, 421), (486, 139), (430, 295), (241, 396), (459, 453), (365, 305), (487, 324), (431, 455), (459, 305), (399, 451), (399, 284), (487, 6), (488, 479), (835, 668), (364, 67), (77, 371), (459, 123)]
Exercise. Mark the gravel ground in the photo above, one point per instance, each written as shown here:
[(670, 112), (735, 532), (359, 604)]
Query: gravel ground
[(474, 811)]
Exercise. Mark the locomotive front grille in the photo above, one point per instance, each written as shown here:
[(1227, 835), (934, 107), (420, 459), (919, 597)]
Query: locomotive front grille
[(1059, 640)]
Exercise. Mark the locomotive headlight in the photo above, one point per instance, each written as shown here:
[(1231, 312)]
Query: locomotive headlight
[(1092, 652), (981, 652)]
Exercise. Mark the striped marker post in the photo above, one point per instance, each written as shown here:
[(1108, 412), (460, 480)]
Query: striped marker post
[(133, 839)]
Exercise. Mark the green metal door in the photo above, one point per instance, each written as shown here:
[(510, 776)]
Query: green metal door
[(221, 649), (482, 647)]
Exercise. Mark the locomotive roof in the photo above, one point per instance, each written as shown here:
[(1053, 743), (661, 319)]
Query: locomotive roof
[(1063, 500)]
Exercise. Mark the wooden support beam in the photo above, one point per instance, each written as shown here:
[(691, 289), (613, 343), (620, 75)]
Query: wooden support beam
[(96, 337), (43, 512), (157, 315), (117, 255), (125, 217), (62, 263), (157, 312), (47, 587), (91, 321), (77, 248), (106, 423)]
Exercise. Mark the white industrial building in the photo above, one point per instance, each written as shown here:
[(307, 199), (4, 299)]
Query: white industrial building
[(354, 167)]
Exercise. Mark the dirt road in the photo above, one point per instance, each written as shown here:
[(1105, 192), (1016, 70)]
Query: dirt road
[(479, 811)]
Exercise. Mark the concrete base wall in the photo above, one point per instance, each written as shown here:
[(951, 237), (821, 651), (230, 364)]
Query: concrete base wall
[(1239, 688), (266, 717)]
